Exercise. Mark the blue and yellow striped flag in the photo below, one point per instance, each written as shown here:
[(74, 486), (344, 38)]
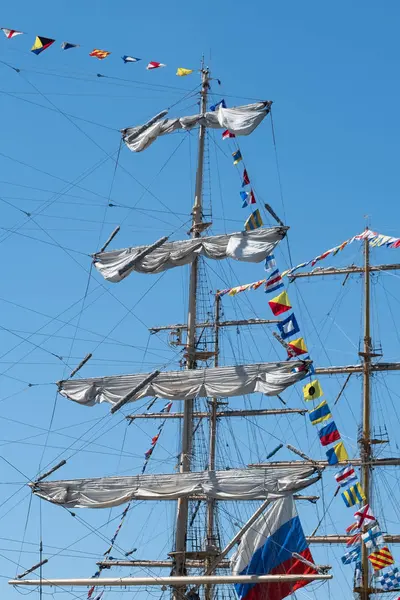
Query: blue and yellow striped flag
[(254, 221), (353, 495), (321, 413), (237, 157)]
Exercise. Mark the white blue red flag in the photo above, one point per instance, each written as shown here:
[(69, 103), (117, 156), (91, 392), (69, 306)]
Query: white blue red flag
[(274, 282), (267, 549), (346, 476)]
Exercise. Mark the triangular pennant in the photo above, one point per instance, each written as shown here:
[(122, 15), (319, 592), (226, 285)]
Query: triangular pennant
[(10, 33), (154, 65), (41, 43)]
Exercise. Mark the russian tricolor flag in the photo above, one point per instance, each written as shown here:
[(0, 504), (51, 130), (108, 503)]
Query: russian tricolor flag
[(267, 549)]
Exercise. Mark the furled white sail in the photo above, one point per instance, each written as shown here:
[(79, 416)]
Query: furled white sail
[(240, 120), (236, 484), (244, 246), (268, 378)]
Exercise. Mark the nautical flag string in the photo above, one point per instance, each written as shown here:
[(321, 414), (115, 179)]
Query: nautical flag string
[(147, 455), (352, 491)]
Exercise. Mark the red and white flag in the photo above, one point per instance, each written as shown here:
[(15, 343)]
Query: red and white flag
[(364, 516), (227, 134), (352, 528), (154, 65), (10, 33), (346, 475), (354, 540)]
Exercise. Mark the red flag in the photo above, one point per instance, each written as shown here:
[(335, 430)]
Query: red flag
[(227, 134), (246, 179), (252, 199), (154, 65)]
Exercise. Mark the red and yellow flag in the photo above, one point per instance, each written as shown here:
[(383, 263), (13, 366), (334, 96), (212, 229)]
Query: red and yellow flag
[(381, 558), (100, 54), (280, 304), (297, 347)]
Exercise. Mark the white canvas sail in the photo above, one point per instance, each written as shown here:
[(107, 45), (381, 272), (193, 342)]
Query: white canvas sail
[(240, 120), (244, 246), (235, 484), (268, 378)]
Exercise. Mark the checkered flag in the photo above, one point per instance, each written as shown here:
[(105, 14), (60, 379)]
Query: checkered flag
[(390, 580)]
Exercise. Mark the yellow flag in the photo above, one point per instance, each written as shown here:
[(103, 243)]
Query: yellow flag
[(312, 390), (182, 72)]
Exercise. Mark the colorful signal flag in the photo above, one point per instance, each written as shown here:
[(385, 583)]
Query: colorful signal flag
[(246, 178), (227, 134), (254, 221), (353, 495), (329, 434), (154, 65), (312, 390), (130, 59), (364, 516), (68, 46), (237, 157), (274, 282), (100, 54), (381, 558), (11, 33), (288, 327), (319, 414), (181, 72), (373, 537), (345, 476), (351, 556), (41, 43), (297, 347), (280, 304), (337, 454)]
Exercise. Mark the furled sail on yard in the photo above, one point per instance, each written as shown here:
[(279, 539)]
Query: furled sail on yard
[(268, 378), (239, 120), (244, 246), (235, 484)]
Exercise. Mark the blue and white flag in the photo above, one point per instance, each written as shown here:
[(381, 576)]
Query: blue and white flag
[(390, 580), (270, 263), (128, 59), (373, 537), (288, 327), (352, 556)]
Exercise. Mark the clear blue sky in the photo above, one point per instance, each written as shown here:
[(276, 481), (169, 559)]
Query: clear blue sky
[(332, 72)]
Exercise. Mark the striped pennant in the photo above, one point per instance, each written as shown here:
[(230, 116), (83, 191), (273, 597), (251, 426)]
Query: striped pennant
[(381, 558)]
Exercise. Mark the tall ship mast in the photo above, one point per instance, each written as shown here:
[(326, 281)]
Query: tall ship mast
[(202, 563)]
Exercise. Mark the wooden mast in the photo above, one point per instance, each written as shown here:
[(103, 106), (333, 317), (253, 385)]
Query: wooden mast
[(187, 425), (365, 444), (211, 505)]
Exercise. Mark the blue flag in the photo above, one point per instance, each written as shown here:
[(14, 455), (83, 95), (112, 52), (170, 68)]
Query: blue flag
[(288, 327), (215, 106)]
